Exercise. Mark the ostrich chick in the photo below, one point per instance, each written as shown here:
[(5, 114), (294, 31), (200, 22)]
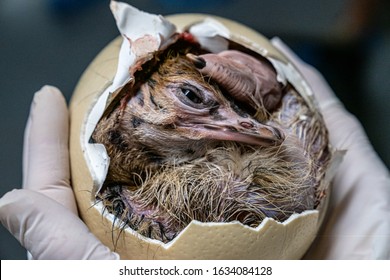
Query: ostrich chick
[(186, 145)]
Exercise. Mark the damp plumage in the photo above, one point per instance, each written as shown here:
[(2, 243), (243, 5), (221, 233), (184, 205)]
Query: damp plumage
[(209, 137)]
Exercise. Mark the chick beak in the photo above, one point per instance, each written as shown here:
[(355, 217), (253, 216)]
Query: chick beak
[(232, 127), (245, 132)]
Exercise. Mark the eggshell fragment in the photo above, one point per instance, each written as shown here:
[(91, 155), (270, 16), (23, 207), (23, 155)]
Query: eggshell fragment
[(270, 240)]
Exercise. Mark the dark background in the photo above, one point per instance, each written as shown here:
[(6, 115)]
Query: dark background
[(53, 41)]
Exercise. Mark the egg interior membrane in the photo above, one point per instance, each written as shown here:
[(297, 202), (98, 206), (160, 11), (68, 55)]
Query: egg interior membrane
[(270, 239)]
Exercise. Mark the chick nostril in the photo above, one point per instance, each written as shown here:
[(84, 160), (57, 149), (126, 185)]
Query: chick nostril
[(246, 125), (279, 134)]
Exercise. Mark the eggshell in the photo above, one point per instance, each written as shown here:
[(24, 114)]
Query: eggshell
[(270, 240)]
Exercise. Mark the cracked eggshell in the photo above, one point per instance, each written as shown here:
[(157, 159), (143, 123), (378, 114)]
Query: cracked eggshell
[(270, 240)]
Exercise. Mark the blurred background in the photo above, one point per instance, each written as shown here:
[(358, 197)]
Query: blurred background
[(53, 41)]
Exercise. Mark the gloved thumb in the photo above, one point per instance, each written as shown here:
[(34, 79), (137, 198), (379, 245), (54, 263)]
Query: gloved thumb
[(47, 229), (46, 152)]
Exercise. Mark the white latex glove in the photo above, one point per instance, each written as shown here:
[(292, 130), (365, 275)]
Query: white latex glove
[(43, 215), (358, 222)]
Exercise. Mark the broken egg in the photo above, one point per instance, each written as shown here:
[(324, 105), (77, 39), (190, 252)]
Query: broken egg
[(101, 87)]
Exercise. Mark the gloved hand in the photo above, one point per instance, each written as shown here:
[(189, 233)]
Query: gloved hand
[(43, 215), (358, 222)]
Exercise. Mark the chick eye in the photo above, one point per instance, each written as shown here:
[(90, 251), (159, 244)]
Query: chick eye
[(191, 95)]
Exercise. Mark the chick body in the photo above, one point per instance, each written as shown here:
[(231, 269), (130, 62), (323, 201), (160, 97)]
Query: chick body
[(183, 148)]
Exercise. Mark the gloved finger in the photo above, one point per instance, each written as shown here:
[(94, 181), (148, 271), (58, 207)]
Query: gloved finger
[(47, 229), (46, 155), (323, 93)]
